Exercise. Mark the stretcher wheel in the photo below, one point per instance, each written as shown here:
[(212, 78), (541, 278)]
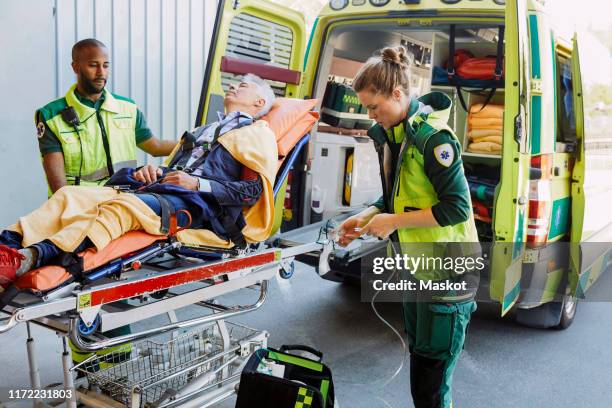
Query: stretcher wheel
[(160, 294), (286, 271), (86, 331)]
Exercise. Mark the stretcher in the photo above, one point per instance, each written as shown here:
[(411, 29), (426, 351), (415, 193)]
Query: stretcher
[(160, 366)]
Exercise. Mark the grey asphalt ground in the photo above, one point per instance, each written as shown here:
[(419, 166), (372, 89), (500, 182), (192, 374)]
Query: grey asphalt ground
[(503, 364)]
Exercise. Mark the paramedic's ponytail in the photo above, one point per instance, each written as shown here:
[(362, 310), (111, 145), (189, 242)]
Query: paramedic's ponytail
[(382, 73)]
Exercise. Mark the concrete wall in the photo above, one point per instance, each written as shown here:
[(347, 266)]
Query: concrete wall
[(158, 51)]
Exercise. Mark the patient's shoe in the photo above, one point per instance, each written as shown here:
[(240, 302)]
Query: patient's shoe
[(10, 262)]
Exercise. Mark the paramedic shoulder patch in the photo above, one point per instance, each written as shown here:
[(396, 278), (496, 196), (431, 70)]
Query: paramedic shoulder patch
[(40, 129), (444, 154)]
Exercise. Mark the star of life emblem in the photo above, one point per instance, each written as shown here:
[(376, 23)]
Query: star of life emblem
[(40, 129), (444, 154)]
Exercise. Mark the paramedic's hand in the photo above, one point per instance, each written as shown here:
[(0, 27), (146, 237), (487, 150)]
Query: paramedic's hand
[(347, 232), (181, 179), (148, 174), (381, 225)]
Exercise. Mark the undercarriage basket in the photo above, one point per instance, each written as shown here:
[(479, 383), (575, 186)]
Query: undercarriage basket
[(162, 373)]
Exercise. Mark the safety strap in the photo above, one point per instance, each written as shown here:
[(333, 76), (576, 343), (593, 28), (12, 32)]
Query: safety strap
[(182, 156), (8, 295), (169, 223), (498, 57), (167, 212), (71, 262), (232, 231), (450, 65), (189, 142), (207, 147), (486, 102), (452, 77)]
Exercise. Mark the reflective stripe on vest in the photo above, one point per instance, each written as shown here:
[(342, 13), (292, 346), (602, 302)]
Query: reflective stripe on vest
[(119, 119)]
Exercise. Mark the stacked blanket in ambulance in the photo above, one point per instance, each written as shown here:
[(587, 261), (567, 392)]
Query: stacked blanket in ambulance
[(485, 128)]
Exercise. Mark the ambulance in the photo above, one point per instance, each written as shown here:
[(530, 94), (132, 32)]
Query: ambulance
[(539, 196)]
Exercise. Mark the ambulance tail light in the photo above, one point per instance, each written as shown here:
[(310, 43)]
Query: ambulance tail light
[(543, 165), (540, 200)]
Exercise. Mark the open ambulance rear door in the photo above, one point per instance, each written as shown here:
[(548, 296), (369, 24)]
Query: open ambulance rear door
[(591, 229), (511, 204), (252, 36)]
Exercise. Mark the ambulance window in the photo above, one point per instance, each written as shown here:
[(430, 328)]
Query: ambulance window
[(257, 40), (565, 101)]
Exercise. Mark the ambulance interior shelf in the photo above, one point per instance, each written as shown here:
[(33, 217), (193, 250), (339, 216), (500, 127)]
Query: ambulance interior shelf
[(459, 121), (470, 42)]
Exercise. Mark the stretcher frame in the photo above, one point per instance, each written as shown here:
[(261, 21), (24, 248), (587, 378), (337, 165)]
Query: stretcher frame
[(80, 310), (69, 309)]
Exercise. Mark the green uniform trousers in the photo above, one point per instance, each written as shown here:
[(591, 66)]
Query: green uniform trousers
[(436, 334)]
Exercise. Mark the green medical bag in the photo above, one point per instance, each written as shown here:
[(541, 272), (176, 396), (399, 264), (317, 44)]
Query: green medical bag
[(276, 379)]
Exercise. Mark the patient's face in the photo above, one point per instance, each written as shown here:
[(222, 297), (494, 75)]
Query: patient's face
[(245, 97)]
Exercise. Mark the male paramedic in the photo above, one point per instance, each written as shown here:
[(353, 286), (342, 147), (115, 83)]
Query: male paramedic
[(204, 177), (90, 133)]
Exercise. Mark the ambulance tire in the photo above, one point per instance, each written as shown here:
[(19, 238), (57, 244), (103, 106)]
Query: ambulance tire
[(568, 312), (552, 315)]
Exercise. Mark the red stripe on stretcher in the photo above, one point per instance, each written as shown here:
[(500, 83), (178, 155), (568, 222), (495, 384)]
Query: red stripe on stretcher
[(141, 287)]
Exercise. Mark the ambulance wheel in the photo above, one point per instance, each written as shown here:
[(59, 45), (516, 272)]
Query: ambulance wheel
[(287, 271), (568, 312), (552, 315), (86, 331)]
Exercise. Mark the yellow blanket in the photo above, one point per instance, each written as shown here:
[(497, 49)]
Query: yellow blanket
[(494, 139), (102, 214), (476, 133), (485, 123), (73, 213), (489, 111), (484, 147)]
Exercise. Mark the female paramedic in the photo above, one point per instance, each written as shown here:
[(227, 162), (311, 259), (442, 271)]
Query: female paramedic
[(426, 202)]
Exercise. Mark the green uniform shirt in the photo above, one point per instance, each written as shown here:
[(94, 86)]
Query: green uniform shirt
[(448, 181), (48, 141)]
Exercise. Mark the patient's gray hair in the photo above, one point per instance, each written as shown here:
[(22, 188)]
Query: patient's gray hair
[(266, 92)]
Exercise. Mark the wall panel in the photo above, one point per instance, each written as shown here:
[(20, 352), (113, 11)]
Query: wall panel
[(158, 50)]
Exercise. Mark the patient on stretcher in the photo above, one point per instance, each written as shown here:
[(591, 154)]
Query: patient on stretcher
[(214, 173)]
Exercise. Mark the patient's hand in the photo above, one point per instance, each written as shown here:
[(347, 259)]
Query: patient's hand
[(148, 174), (181, 179)]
